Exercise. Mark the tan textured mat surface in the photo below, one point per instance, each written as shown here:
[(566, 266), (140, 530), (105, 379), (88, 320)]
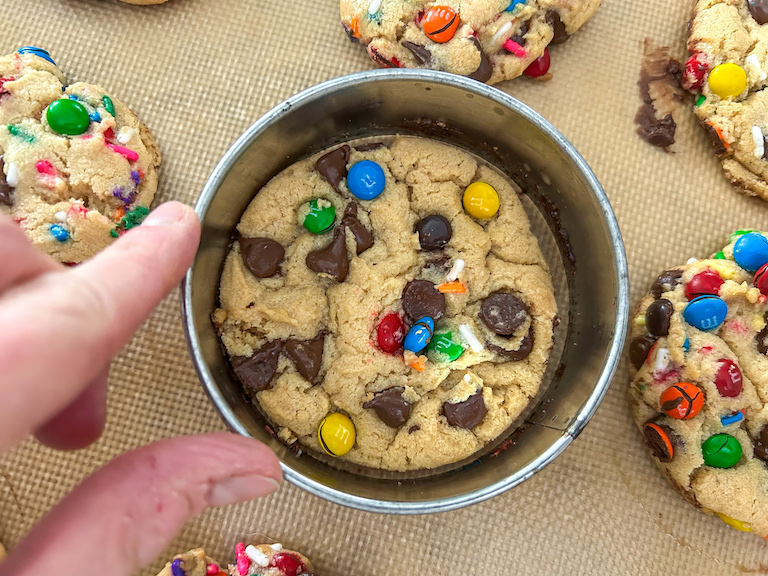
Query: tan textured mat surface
[(198, 72)]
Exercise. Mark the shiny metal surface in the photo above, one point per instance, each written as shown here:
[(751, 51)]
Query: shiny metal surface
[(515, 139)]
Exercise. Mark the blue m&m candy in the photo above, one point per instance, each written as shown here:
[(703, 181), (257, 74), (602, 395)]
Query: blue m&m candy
[(37, 52), (514, 4), (705, 312), (419, 335), (366, 180), (751, 251), (58, 232)]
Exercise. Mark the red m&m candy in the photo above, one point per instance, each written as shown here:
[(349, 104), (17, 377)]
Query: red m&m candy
[(538, 67), (696, 68), (682, 401), (440, 23), (704, 283), (288, 564), (761, 279), (390, 333), (728, 379)]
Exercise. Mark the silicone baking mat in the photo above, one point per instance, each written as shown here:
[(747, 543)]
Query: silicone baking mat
[(199, 72)]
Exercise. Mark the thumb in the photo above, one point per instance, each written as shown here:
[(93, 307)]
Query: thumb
[(124, 515)]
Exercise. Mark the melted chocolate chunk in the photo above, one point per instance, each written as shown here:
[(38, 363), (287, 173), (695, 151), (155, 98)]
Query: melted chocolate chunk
[(503, 313), (522, 352), (363, 238), (381, 60), (333, 166), (657, 317), (262, 256), (656, 443), (666, 281), (414, 428), (759, 10), (761, 338), (658, 69), (467, 414), (421, 298), (422, 55), (485, 70), (761, 444), (558, 28), (332, 259), (639, 348), (369, 146), (519, 36), (714, 137), (659, 133), (256, 372), (434, 232), (391, 407), (5, 189), (442, 262), (307, 355)]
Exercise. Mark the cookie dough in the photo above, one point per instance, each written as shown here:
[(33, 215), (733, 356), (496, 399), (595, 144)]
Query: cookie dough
[(488, 40), (334, 324), (77, 167), (250, 560), (699, 380), (728, 71)]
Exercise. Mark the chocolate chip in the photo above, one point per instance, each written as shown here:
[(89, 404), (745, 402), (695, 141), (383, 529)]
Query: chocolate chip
[(422, 298), (485, 70), (761, 444), (363, 238), (714, 138), (414, 428), (381, 60), (332, 259), (257, 371), (656, 444), (759, 10), (422, 55), (657, 317), (333, 166), (441, 262), (262, 256), (666, 281), (369, 146), (519, 36), (558, 28), (639, 348), (503, 313), (5, 189), (522, 352), (467, 414), (659, 133), (761, 338), (307, 355), (434, 232), (391, 407)]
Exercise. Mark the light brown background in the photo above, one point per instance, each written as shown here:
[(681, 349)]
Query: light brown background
[(199, 72)]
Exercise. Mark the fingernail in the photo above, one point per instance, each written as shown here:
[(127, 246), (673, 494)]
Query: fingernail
[(166, 214), (241, 489)]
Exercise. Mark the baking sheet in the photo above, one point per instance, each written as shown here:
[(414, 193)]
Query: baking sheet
[(199, 72)]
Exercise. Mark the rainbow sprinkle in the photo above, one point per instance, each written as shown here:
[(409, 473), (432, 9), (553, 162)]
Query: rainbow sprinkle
[(19, 132), (126, 153), (131, 219), (108, 105), (512, 46)]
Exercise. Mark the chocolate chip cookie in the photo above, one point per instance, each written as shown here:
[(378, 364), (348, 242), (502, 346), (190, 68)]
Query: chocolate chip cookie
[(77, 167), (487, 40), (728, 71), (386, 303), (250, 560), (699, 369)]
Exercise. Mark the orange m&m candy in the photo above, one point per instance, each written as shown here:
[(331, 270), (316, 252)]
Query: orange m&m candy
[(682, 401), (440, 23)]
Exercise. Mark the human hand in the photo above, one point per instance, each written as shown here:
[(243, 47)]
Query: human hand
[(59, 329)]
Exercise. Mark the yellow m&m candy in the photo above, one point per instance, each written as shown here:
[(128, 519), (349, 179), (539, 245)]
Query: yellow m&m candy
[(738, 524), (336, 434), (727, 80), (481, 200)]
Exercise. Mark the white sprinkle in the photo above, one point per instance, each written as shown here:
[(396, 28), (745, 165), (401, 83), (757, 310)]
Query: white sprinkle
[(501, 33), (276, 546), (61, 216), (691, 260), (456, 269), (662, 360), (466, 331), (467, 378), (13, 175), (124, 135), (257, 556), (753, 62), (757, 136), (374, 6)]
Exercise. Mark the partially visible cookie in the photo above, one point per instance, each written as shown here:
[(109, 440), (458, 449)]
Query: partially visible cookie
[(144, 2), (727, 70), (487, 40), (77, 167), (699, 368), (250, 560)]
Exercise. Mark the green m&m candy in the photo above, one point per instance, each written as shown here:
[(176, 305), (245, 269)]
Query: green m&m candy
[(67, 117), (721, 451), (318, 216), (442, 348)]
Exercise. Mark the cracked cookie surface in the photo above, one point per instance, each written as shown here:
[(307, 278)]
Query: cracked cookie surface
[(699, 380), (488, 40), (308, 341)]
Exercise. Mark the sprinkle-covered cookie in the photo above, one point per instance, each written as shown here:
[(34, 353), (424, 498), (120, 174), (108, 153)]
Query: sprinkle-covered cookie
[(250, 560), (728, 71), (408, 330), (699, 367), (488, 40), (77, 167)]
